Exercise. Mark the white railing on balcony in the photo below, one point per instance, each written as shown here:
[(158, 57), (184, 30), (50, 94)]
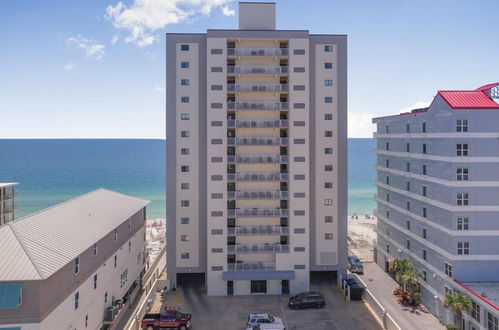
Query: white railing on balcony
[(257, 141), (258, 159), (275, 88), (257, 213), (257, 248), (257, 51), (251, 69), (251, 266), (258, 123), (257, 177), (258, 230), (268, 195), (257, 105)]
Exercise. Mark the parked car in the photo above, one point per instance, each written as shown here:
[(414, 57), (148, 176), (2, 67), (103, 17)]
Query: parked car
[(255, 319), (355, 265), (169, 319), (356, 289), (267, 326), (307, 299)]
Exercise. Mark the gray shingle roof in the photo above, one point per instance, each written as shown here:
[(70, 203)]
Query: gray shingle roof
[(38, 245)]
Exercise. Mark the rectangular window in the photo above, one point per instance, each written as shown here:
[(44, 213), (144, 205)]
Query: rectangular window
[(95, 281), (407, 128), (184, 168), (328, 185), (185, 238), (184, 151), (387, 248), (387, 163), (387, 180), (423, 127), (115, 260), (424, 254), (328, 133), (328, 65), (462, 199), (408, 224), (185, 221), (184, 134), (462, 174), (184, 65), (184, 203), (448, 291), (463, 248), (462, 149), (10, 295), (462, 125), (408, 205), (328, 236), (387, 197), (328, 48), (77, 298), (184, 116), (328, 99), (129, 246), (407, 167), (184, 99), (424, 148), (387, 129), (328, 168), (424, 212), (492, 323), (387, 214), (328, 82), (77, 264), (424, 275), (424, 191), (463, 223), (328, 202), (328, 116), (424, 169), (408, 147), (115, 234), (475, 311), (184, 186), (328, 218), (96, 248), (387, 146), (184, 82), (184, 48), (185, 255), (408, 244), (86, 320), (407, 186), (424, 233), (328, 151), (448, 270)]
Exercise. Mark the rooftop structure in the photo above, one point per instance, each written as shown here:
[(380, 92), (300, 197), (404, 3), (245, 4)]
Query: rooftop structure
[(7, 201)]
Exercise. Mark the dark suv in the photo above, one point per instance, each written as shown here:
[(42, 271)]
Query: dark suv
[(307, 299)]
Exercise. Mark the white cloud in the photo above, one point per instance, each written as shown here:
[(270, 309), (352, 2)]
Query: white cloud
[(68, 66), (360, 125), (144, 17), (115, 39), (160, 89), (89, 46), (417, 105)]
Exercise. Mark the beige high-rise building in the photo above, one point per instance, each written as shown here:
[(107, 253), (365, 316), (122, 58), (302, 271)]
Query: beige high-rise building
[(7, 203), (257, 156)]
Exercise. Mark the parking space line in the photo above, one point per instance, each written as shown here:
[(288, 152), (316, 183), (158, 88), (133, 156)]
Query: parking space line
[(282, 313)]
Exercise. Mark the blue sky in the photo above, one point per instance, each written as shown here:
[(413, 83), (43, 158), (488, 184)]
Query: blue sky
[(96, 68)]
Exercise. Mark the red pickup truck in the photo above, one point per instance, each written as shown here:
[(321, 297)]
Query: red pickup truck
[(169, 319)]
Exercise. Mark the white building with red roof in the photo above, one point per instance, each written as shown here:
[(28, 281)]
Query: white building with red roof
[(438, 198)]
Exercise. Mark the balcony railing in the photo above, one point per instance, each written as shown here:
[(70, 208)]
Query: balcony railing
[(257, 213), (257, 141), (258, 123), (250, 69), (258, 230), (257, 177), (251, 266), (9, 196), (274, 88), (258, 159), (257, 105), (267, 195), (258, 52), (257, 248), (7, 210)]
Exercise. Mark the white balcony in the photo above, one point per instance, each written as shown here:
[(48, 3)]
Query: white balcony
[(257, 105), (258, 159), (252, 88), (251, 266), (252, 69), (258, 231), (258, 123), (257, 141), (279, 52), (257, 248), (257, 195), (257, 213), (257, 177)]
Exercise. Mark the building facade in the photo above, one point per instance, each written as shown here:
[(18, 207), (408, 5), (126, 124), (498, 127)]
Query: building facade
[(7, 202), (257, 158), (73, 265), (438, 193)]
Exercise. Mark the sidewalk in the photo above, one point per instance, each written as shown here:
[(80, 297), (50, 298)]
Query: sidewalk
[(381, 286)]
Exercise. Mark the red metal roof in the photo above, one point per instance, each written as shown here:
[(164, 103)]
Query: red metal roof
[(486, 87), (468, 100)]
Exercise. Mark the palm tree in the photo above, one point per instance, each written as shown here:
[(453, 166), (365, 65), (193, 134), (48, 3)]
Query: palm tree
[(457, 303), (399, 267)]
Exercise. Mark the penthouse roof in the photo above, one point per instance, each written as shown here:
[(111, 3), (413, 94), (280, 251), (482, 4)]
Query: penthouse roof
[(476, 99)]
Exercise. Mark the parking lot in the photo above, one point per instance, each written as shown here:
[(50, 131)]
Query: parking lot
[(231, 313)]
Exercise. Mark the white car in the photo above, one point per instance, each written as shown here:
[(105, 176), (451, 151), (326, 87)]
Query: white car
[(257, 319), (267, 326)]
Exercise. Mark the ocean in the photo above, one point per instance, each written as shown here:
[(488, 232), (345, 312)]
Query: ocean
[(53, 171)]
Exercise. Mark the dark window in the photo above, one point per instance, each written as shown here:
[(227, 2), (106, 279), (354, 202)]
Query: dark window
[(184, 47), (328, 65), (328, 48), (184, 65), (328, 99)]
